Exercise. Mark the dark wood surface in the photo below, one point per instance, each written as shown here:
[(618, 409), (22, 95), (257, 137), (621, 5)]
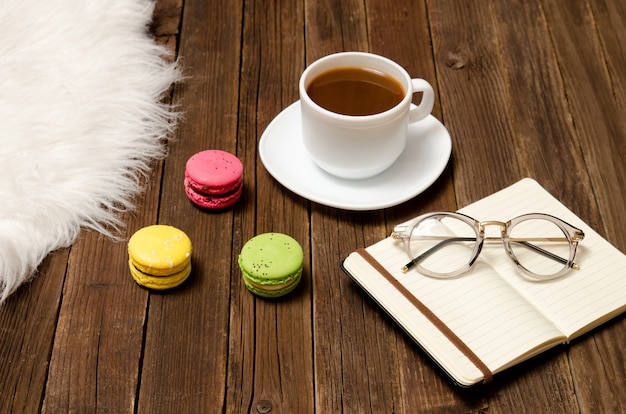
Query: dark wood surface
[(525, 88)]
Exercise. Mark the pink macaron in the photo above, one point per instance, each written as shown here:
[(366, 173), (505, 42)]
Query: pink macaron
[(214, 179)]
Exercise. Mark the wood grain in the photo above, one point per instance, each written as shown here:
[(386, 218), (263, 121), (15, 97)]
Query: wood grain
[(524, 88), (187, 329), (27, 326)]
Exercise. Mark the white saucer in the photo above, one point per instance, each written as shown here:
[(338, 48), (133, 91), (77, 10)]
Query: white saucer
[(425, 157)]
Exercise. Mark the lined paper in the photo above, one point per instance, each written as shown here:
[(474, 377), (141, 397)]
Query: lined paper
[(484, 311), (494, 309), (580, 299)]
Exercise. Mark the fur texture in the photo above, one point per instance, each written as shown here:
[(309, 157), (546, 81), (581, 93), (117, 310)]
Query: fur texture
[(81, 117)]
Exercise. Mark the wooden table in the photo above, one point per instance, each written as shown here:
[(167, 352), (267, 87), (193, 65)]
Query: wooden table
[(525, 88)]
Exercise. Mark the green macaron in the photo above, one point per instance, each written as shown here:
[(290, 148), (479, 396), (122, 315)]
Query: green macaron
[(271, 264)]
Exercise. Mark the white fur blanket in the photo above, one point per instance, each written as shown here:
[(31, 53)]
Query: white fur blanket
[(81, 119)]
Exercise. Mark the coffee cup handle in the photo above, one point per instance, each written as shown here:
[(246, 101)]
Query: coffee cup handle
[(421, 111)]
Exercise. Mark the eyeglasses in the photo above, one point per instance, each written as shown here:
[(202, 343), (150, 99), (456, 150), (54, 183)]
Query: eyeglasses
[(447, 244)]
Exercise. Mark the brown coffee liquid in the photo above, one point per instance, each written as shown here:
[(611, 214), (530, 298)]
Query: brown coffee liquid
[(355, 91)]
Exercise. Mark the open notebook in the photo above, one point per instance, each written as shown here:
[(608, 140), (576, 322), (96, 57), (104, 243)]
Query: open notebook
[(491, 318)]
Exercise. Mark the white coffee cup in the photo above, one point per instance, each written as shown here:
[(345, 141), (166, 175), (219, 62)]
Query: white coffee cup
[(360, 146)]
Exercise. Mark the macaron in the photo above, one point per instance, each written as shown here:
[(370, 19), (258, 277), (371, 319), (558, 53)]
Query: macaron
[(214, 179), (271, 264), (159, 257)]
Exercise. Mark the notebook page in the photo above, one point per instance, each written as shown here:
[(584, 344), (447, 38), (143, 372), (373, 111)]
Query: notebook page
[(581, 299), (483, 311)]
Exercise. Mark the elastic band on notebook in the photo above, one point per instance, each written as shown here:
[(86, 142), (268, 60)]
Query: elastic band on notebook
[(439, 324)]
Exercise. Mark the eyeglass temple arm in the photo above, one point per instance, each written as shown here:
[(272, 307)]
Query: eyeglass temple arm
[(442, 243), (547, 254), (433, 249)]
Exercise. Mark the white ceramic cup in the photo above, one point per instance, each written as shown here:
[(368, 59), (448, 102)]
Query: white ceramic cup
[(358, 147)]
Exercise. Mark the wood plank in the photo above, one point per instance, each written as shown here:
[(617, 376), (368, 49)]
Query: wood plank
[(543, 131), (97, 347), (588, 60), (27, 325), (543, 136), (339, 381), (589, 39), (472, 93), (334, 26), (166, 18), (347, 373), (342, 309), (184, 361), (522, 100), (95, 360), (402, 33), (609, 17), (270, 347)]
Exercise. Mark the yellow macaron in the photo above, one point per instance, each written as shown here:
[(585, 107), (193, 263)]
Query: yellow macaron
[(159, 257)]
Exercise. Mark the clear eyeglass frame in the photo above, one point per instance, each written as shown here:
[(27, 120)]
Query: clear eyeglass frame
[(571, 234)]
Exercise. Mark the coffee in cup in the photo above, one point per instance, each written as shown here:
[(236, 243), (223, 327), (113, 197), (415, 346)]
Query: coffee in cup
[(355, 110), (355, 91)]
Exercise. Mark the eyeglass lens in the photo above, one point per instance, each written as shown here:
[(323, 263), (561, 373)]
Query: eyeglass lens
[(442, 244), (540, 246)]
